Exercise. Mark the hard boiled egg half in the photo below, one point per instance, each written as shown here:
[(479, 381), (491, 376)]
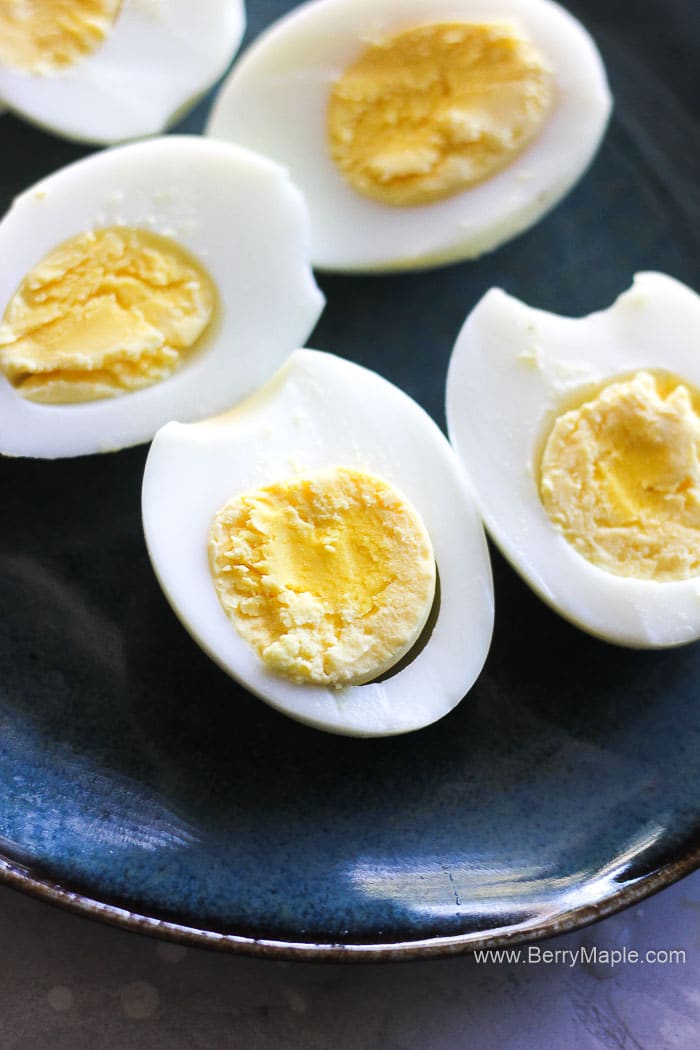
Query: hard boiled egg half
[(581, 440), (160, 280), (420, 131), (108, 70), (319, 544)]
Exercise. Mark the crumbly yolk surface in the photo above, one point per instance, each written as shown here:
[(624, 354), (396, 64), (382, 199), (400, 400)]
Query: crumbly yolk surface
[(46, 36), (621, 478), (330, 578), (105, 313), (434, 110)]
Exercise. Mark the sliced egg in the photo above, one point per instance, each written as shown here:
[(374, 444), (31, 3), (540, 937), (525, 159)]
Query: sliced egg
[(160, 280), (325, 446), (109, 70), (581, 440), (420, 131)]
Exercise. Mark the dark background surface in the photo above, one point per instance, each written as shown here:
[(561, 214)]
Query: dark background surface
[(135, 771)]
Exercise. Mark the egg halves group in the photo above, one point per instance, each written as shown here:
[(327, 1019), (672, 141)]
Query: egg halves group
[(310, 525)]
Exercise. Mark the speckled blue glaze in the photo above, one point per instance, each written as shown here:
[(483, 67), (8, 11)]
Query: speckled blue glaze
[(135, 772)]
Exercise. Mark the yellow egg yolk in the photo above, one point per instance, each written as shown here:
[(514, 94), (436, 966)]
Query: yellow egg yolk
[(427, 113), (103, 314), (46, 36), (330, 578), (621, 478)]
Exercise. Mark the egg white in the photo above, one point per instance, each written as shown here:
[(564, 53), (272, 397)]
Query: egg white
[(237, 213), (513, 370), (160, 57), (276, 97), (320, 411)]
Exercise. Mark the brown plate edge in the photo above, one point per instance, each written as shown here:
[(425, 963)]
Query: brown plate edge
[(16, 877)]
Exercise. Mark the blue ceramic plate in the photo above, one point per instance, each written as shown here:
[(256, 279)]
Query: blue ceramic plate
[(138, 783)]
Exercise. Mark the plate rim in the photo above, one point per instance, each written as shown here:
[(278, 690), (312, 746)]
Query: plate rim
[(16, 876)]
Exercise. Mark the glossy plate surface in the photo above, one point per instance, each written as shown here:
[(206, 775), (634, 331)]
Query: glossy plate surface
[(140, 784)]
